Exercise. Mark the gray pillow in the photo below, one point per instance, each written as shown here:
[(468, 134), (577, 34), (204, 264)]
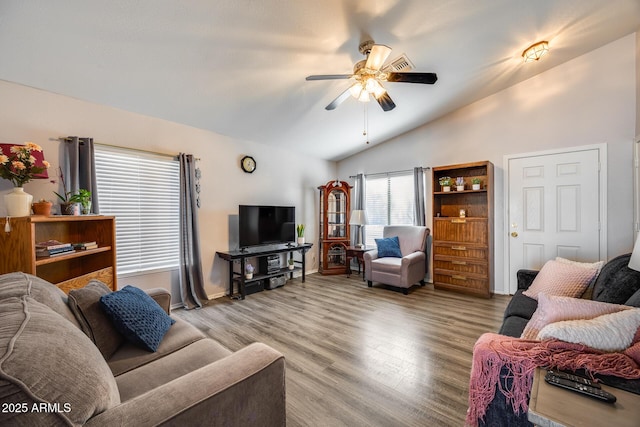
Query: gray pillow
[(616, 282), (85, 305), (46, 359)]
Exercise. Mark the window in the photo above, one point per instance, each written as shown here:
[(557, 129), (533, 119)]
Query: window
[(389, 201), (142, 191)]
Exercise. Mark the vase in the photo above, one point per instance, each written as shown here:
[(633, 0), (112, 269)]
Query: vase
[(475, 186), (248, 276), (18, 202), (291, 266), (86, 208), (459, 187), (446, 188), (69, 209), (301, 240), (42, 208)]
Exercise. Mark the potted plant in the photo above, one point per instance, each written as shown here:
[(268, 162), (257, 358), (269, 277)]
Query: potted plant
[(300, 231), (291, 263), (248, 271), (445, 183), (84, 198), (459, 183), (67, 205), (19, 165), (475, 183), (42, 207)]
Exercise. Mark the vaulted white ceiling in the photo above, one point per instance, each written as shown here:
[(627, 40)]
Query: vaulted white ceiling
[(238, 67)]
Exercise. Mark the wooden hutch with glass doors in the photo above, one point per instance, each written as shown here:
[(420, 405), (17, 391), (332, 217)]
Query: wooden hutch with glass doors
[(334, 227)]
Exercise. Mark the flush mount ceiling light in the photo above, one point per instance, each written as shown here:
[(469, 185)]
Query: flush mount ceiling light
[(535, 51)]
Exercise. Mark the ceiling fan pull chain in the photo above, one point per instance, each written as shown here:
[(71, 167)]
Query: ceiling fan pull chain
[(365, 132)]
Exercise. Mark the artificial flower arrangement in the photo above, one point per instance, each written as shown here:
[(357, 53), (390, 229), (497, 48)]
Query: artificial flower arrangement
[(19, 165)]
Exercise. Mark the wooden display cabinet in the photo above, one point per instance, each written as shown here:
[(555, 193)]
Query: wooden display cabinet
[(463, 230), (69, 271), (334, 227)]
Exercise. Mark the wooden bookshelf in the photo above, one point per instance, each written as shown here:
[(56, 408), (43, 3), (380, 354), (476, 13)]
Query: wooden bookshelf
[(463, 245), (68, 271)]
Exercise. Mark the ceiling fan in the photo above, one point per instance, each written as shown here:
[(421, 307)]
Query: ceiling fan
[(369, 74)]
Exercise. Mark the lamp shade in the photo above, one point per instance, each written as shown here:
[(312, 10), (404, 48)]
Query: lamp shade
[(38, 155), (358, 217), (634, 262)]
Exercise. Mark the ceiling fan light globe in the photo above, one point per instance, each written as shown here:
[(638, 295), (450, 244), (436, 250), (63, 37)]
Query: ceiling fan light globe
[(372, 85), (356, 90), (364, 96)]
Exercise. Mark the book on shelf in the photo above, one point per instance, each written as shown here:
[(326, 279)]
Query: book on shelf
[(42, 253), (83, 246), (52, 244)]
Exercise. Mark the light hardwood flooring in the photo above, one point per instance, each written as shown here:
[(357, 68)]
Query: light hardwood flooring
[(359, 356)]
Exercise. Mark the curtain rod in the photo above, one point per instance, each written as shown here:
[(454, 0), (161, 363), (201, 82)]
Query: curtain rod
[(173, 156), (424, 168)]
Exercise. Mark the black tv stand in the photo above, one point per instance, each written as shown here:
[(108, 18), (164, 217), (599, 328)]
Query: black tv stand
[(243, 254)]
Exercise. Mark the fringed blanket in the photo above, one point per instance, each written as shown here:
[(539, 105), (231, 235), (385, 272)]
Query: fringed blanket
[(492, 352)]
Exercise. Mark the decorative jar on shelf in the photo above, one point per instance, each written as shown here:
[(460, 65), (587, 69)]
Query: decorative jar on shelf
[(42, 207), (18, 202)]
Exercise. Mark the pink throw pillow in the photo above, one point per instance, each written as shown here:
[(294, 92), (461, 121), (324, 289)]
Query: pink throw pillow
[(562, 279), (553, 308)]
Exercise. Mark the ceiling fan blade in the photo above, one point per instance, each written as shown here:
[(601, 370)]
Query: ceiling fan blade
[(329, 76), (424, 78), (386, 102), (379, 53), (339, 100)]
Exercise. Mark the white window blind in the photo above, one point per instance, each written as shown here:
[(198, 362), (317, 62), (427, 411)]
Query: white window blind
[(389, 201), (142, 191)]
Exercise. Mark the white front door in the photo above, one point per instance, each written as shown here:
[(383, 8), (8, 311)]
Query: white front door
[(555, 204)]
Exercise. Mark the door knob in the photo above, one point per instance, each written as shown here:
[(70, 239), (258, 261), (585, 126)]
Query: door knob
[(514, 234)]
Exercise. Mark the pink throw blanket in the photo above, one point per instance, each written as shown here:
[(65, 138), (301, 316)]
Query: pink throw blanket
[(521, 357)]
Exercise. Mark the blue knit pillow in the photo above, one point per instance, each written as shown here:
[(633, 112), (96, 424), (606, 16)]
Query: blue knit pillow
[(137, 316), (389, 247)]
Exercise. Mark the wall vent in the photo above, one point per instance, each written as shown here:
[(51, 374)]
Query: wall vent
[(401, 64)]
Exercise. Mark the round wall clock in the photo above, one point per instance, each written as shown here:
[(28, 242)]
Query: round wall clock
[(248, 164)]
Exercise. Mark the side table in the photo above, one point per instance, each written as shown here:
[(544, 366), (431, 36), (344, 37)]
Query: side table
[(551, 406), (358, 254)]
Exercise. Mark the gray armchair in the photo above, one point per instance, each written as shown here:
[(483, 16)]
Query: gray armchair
[(399, 272)]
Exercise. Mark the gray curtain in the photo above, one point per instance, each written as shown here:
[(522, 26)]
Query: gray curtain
[(358, 203), (80, 168), (420, 216), (191, 279), (418, 190)]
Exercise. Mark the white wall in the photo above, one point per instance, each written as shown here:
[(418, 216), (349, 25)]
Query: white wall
[(281, 177), (589, 100)]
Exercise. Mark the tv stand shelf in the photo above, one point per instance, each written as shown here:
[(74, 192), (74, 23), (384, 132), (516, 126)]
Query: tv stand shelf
[(242, 255)]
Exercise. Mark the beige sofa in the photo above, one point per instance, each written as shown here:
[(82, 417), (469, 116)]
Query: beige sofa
[(53, 373)]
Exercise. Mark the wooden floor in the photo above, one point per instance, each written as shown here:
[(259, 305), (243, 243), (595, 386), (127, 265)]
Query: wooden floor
[(359, 356)]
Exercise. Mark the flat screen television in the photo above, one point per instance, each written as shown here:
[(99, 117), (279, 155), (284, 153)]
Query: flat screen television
[(266, 225)]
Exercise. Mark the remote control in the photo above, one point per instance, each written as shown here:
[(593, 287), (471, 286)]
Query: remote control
[(572, 377), (581, 388)]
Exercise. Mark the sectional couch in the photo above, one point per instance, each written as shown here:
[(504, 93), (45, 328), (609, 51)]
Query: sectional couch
[(616, 284), (60, 366)]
